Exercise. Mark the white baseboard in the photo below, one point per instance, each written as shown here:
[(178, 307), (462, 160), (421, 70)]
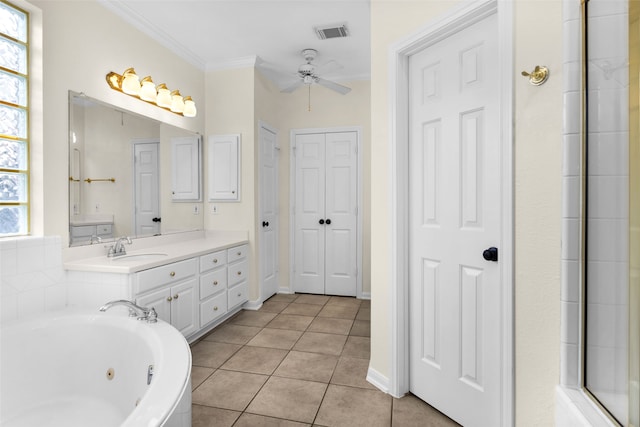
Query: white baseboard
[(252, 305), (283, 290), (378, 380), (365, 295)]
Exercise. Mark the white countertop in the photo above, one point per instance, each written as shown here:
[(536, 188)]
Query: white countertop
[(175, 250)]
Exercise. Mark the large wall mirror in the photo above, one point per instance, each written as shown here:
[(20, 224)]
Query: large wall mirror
[(130, 175)]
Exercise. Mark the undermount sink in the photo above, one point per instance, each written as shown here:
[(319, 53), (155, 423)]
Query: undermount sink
[(139, 257)]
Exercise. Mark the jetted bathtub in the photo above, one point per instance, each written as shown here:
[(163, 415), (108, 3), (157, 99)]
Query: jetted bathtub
[(94, 369)]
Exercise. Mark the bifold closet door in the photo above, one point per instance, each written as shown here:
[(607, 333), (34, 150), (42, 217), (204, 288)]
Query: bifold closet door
[(326, 213)]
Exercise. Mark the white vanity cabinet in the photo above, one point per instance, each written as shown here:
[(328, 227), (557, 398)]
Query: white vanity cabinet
[(237, 275), (172, 290)]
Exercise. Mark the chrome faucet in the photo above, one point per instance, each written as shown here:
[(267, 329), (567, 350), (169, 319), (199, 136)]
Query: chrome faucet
[(141, 313), (118, 249), (95, 239)]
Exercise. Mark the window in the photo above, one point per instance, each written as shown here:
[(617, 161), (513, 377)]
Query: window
[(14, 120)]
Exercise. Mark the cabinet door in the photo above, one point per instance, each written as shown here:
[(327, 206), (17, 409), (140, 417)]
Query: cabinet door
[(160, 301), (184, 315), (185, 171), (224, 167)]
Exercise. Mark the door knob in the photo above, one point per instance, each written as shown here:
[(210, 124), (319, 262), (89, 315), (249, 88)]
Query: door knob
[(490, 254), (156, 219), (321, 221), (265, 223), (328, 221)]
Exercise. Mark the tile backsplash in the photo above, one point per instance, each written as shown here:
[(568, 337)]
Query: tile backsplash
[(32, 278)]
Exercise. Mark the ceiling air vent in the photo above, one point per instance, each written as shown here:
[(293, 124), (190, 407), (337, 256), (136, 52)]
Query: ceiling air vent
[(332, 31)]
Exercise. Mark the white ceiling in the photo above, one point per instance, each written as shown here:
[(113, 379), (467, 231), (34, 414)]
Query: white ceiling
[(213, 34)]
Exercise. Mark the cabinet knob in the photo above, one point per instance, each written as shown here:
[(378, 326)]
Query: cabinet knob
[(172, 274), (239, 294), (215, 260), (215, 283), (239, 273), (176, 296), (215, 308), (239, 253), (169, 299)]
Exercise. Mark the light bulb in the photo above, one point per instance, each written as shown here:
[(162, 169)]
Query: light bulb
[(148, 90), (164, 96), (177, 102), (189, 107), (130, 82)]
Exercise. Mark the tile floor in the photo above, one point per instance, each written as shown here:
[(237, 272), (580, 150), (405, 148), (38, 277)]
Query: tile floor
[(300, 360)]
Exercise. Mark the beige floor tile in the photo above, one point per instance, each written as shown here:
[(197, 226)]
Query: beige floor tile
[(199, 374), (352, 371), (275, 338), (364, 314), (365, 303), (339, 311), (411, 411), (253, 318), (233, 334), (329, 325), (355, 407), (307, 366), (302, 309), (316, 342), (361, 328), (284, 298), (290, 321), (312, 299), (344, 301), (251, 420), (274, 306), (212, 354), (357, 347), (205, 416), (256, 360), (291, 399), (229, 390)]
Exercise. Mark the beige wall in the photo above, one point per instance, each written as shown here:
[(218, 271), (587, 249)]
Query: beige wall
[(538, 128), (83, 41)]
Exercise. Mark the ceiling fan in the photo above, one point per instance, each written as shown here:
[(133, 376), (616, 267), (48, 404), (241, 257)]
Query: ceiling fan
[(307, 74)]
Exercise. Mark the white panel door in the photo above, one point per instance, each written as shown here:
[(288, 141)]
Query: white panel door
[(268, 212), (147, 189), (341, 202), (184, 307), (224, 167), (326, 217), (309, 214), (455, 203)]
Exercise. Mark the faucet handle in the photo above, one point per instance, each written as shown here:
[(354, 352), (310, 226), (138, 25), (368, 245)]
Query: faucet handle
[(152, 317)]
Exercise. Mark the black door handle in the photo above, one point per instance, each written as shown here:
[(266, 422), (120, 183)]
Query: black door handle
[(490, 254), (265, 223), (328, 221), (157, 219), (321, 221)]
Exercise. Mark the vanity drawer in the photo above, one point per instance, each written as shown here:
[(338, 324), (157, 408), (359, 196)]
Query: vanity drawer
[(237, 253), (213, 260), (237, 272), (213, 308), (166, 274), (83, 230), (104, 230), (237, 295), (213, 282)]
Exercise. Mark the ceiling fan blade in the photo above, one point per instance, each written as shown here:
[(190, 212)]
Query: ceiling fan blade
[(292, 87), (328, 67), (281, 78), (333, 86)]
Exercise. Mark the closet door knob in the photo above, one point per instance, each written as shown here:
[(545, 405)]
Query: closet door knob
[(321, 221), (328, 221)]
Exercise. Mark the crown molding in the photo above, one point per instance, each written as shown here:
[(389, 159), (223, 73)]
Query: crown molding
[(149, 28), (241, 62)]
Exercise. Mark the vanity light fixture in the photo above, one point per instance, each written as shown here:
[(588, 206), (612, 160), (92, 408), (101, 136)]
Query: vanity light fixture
[(129, 83)]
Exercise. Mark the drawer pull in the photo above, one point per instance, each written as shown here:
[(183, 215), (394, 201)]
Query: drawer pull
[(215, 260), (239, 273), (239, 253), (239, 294), (172, 274), (215, 308), (215, 283), (169, 299), (176, 296)]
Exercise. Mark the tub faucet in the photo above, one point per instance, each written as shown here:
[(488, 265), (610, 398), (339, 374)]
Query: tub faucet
[(141, 313), (118, 249)]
